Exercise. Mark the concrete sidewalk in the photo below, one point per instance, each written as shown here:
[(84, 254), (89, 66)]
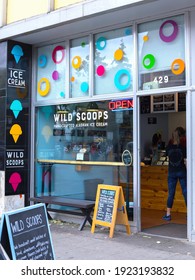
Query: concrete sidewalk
[(71, 244)]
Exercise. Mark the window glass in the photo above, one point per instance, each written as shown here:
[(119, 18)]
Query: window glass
[(67, 136), (79, 67), (51, 72), (100, 130), (161, 53), (113, 54)]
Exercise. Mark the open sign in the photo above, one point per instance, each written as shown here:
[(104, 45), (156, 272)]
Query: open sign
[(121, 104)]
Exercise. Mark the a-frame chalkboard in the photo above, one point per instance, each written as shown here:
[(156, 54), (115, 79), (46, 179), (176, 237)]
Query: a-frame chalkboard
[(110, 208), (25, 234), (3, 254)]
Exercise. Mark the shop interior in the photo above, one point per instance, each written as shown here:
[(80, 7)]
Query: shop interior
[(160, 114)]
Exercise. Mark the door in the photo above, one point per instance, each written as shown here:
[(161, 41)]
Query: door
[(159, 119)]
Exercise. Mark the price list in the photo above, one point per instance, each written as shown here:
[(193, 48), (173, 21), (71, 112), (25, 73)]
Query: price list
[(106, 205)]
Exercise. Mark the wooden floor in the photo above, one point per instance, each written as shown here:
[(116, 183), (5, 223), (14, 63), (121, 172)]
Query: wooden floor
[(150, 218)]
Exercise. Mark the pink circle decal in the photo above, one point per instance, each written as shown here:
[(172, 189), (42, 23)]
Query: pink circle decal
[(100, 70), (55, 75), (172, 37), (54, 54)]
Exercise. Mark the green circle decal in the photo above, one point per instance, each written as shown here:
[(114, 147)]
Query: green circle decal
[(148, 61)]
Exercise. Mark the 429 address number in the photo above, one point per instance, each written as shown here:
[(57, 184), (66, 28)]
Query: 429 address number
[(161, 79)]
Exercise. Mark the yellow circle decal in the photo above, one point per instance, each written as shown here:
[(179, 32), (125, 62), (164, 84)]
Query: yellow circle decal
[(145, 38), (177, 66), (45, 91), (76, 62), (118, 55)]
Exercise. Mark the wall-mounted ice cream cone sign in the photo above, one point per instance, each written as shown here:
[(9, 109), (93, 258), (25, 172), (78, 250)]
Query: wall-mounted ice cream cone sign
[(15, 131), (15, 180), (16, 107), (17, 52)]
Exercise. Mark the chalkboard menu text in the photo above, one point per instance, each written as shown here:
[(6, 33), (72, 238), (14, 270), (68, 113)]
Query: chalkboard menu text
[(106, 205), (110, 208), (25, 234)]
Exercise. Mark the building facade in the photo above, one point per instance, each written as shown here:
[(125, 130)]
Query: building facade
[(82, 86)]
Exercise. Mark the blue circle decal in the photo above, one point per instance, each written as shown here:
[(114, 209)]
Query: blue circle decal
[(101, 43), (84, 87), (42, 60), (117, 79)]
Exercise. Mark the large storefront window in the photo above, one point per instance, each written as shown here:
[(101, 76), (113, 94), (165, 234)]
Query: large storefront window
[(113, 61), (161, 53), (51, 72), (80, 145), (79, 67)]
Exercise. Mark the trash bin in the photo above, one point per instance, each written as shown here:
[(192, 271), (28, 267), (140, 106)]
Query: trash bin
[(90, 188)]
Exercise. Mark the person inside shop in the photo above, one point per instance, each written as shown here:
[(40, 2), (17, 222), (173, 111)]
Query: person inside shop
[(156, 145), (182, 135), (176, 153)]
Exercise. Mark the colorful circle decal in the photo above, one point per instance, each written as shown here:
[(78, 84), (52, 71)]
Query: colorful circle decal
[(145, 38), (72, 79), (101, 43), (177, 66), (76, 62), (100, 70), (62, 94), (84, 87), (171, 37), (118, 77), (55, 57), (148, 61), (43, 92), (118, 55), (128, 31), (42, 60), (55, 75), (83, 44)]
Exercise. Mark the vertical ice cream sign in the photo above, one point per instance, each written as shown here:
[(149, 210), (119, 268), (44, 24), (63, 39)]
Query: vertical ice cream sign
[(16, 76), (18, 103)]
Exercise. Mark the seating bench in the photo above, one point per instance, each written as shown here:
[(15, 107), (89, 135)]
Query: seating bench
[(85, 206)]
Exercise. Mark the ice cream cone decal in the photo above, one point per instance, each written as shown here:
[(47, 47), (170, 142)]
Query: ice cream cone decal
[(16, 107), (17, 52), (15, 131), (46, 132), (15, 180)]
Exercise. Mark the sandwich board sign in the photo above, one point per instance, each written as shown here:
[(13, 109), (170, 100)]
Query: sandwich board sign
[(25, 234), (3, 254), (110, 208)]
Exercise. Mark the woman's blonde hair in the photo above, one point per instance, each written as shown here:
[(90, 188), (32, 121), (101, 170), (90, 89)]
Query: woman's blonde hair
[(176, 138)]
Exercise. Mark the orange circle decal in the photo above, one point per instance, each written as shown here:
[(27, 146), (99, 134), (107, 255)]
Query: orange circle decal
[(178, 66), (118, 55)]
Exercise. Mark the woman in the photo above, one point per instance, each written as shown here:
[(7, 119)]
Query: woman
[(176, 171)]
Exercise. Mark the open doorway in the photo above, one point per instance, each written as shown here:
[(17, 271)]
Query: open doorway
[(160, 115)]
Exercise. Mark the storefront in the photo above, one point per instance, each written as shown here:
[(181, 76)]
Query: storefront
[(82, 134), (85, 140), (105, 91)]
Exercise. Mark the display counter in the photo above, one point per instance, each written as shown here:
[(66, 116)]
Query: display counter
[(154, 189)]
